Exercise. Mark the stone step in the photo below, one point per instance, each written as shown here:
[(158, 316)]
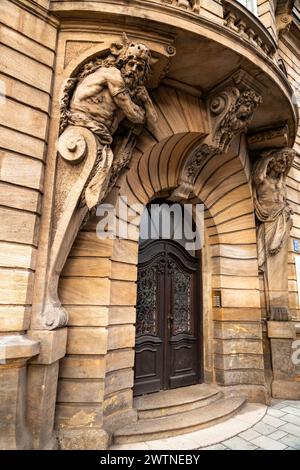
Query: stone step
[(174, 425), (178, 400)]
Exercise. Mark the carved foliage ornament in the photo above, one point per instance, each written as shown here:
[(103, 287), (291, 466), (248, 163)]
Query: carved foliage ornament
[(103, 109), (231, 111)]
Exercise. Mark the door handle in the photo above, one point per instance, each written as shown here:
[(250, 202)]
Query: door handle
[(170, 321)]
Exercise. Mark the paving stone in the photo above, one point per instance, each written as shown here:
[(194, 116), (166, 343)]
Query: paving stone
[(291, 429), (275, 413), (293, 403), (249, 434), (277, 435), (268, 444), (279, 406), (288, 418), (251, 414), (292, 410), (291, 441), (216, 447), (237, 443), (273, 421), (264, 428)]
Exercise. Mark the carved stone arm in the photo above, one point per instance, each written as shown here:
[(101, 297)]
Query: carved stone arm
[(132, 111)]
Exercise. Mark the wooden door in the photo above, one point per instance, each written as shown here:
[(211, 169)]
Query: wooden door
[(168, 318)]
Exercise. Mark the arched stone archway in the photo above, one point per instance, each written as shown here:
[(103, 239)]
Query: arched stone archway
[(98, 286)]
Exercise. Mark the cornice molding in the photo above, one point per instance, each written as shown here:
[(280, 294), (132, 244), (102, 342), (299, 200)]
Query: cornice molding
[(36, 9)]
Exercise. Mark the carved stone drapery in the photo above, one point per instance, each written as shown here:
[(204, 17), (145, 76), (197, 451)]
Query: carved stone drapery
[(103, 109), (230, 111), (274, 217)]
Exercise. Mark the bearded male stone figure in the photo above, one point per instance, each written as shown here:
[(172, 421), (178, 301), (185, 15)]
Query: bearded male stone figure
[(110, 92)]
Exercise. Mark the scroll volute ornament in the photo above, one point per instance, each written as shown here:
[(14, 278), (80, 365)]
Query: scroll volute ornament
[(230, 113), (103, 109)]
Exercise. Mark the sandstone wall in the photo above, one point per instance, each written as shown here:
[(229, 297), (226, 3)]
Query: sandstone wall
[(289, 47), (28, 44)]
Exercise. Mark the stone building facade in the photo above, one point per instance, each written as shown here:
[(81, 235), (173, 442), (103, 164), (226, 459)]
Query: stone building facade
[(152, 100)]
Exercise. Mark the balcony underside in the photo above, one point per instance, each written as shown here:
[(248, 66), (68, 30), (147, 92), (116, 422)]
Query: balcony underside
[(207, 52)]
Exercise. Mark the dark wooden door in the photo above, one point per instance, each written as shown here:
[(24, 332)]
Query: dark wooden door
[(167, 351)]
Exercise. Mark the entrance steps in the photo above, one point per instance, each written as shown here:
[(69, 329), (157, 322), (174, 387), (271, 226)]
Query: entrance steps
[(179, 411), (178, 400)]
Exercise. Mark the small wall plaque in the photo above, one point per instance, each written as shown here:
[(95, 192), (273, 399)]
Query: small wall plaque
[(216, 298)]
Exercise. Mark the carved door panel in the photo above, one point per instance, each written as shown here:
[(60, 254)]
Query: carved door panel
[(168, 318)]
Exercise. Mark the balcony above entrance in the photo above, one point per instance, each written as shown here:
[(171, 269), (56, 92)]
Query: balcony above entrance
[(208, 42)]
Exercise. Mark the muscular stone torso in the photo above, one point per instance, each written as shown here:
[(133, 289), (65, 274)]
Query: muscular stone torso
[(271, 194), (93, 96)]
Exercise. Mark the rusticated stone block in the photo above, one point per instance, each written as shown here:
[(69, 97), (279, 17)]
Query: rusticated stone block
[(286, 389), (80, 391), (281, 329), (121, 337), (14, 318), (72, 415), (117, 402), (253, 393), (235, 377), (83, 439), (238, 346), (123, 293), (53, 345), (281, 351), (237, 314), (82, 315), (121, 315), (41, 393), (119, 359), (239, 361), (119, 419), (14, 433), (118, 380), (87, 341), (84, 367), (237, 330)]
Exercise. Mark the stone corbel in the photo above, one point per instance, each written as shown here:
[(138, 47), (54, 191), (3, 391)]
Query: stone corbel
[(269, 138), (284, 16), (94, 147), (230, 112), (77, 147)]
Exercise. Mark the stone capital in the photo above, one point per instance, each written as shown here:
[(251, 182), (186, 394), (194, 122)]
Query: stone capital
[(53, 345), (17, 347), (281, 329)]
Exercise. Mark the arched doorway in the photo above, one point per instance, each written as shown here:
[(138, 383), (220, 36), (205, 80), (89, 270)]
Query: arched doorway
[(169, 306)]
